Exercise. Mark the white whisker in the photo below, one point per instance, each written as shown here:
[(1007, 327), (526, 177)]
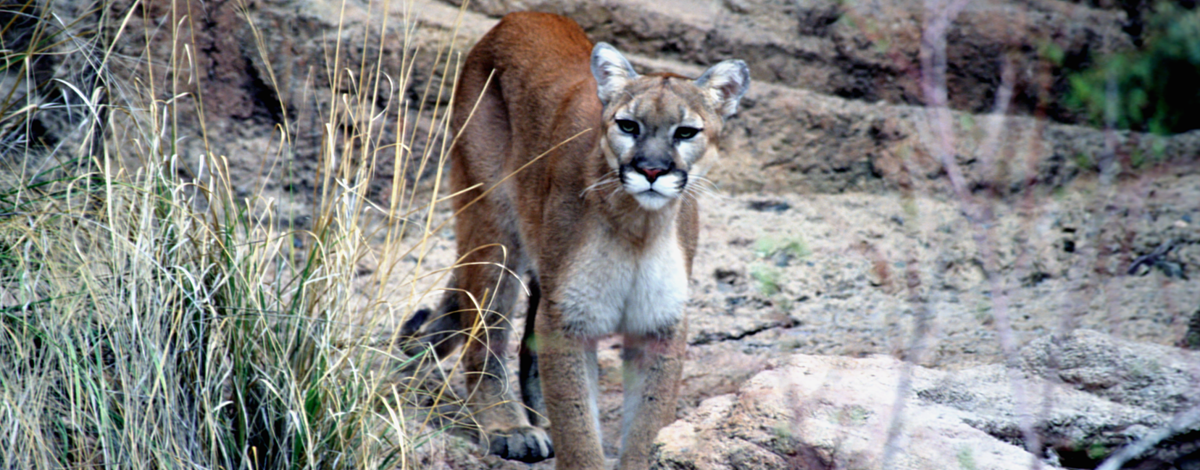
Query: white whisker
[(701, 185), (605, 180), (710, 183), (613, 193)]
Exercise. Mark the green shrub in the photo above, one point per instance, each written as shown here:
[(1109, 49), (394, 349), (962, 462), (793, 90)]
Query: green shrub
[(1155, 88)]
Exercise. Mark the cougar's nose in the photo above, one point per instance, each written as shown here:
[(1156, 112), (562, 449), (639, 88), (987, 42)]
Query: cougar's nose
[(651, 169), (652, 173)]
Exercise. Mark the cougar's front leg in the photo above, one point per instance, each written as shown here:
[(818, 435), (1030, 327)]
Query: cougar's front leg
[(569, 384), (652, 369), (507, 431)]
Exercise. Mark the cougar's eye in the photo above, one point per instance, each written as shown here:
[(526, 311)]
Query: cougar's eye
[(627, 126), (685, 133)]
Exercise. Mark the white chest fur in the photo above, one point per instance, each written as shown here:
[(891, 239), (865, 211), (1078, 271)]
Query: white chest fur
[(612, 287)]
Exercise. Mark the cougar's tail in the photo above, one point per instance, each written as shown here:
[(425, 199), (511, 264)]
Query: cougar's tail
[(441, 333)]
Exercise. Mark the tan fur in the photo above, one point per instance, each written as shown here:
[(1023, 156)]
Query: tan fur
[(606, 262)]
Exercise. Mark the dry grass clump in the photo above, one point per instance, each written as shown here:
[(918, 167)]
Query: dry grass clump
[(151, 318)]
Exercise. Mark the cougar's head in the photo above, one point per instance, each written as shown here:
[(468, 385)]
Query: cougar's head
[(661, 130)]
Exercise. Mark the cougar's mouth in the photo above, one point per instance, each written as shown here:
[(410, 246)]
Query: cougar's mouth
[(654, 191)]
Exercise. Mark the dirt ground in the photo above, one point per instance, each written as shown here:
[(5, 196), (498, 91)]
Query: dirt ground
[(912, 277)]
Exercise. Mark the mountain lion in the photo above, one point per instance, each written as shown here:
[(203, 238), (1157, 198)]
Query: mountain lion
[(582, 174)]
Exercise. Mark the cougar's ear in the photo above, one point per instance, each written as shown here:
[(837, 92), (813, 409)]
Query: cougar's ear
[(725, 83), (611, 70)]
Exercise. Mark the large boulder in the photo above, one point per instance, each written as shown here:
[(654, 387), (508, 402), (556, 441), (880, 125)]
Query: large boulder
[(809, 411), (818, 412), (1145, 375)]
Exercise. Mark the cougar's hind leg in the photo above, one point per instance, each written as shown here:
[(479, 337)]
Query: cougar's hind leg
[(531, 382)]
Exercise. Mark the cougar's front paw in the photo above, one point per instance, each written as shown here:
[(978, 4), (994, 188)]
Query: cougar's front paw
[(527, 444)]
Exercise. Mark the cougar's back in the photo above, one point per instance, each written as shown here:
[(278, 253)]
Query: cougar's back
[(529, 85)]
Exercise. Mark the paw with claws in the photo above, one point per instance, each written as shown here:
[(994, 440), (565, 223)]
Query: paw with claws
[(526, 443)]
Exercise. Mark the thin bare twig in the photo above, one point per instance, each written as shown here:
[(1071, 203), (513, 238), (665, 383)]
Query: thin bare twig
[(1183, 422), (938, 133)]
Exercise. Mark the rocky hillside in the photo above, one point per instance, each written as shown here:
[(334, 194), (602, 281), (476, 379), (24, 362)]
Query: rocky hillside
[(835, 107), (880, 284)]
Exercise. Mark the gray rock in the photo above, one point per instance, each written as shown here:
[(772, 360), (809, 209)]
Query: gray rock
[(828, 412), (1000, 403), (1152, 376), (808, 411)]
